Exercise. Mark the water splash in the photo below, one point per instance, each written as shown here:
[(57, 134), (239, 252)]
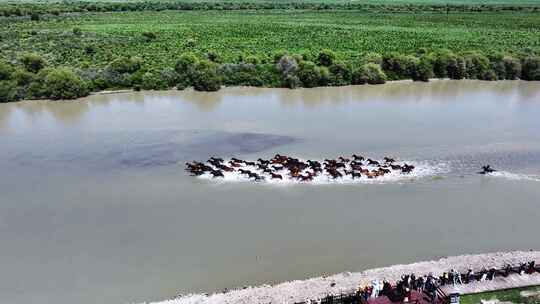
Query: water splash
[(514, 176), (422, 169)]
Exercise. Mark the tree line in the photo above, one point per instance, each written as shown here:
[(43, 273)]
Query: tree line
[(34, 10), (30, 77)]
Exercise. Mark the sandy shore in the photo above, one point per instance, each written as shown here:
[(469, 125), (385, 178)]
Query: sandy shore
[(317, 288)]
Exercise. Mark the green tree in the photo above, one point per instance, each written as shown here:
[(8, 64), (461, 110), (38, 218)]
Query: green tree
[(33, 62), (422, 69), (63, 83), (123, 65), (512, 67), (205, 76), (530, 68), (371, 73), (312, 75), (5, 71), (8, 91), (372, 58), (398, 66), (446, 64), (213, 56), (497, 65), (149, 36), (153, 81), (340, 74), (186, 63), (477, 65), (251, 59), (326, 57)]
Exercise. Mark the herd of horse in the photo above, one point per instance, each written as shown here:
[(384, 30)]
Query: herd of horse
[(282, 166)]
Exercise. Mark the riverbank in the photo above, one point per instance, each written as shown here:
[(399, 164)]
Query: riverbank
[(63, 57), (320, 287)]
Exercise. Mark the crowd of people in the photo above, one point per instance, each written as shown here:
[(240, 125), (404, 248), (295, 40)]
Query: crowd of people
[(429, 284), (281, 166)]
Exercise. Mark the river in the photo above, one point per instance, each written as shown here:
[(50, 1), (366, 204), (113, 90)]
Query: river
[(96, 207)]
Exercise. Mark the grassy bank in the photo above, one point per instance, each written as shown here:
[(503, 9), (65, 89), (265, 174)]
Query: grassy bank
[(148, 49), (517, 296)]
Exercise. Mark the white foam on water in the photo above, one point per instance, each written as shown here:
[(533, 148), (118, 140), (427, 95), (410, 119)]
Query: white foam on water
[(514, 176), (421, 169)]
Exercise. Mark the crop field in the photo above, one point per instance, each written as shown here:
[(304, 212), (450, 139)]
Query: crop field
[(236, 34), (385, 2)]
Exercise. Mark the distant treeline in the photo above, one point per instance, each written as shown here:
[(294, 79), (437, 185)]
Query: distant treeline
[(29, 9), (31, 78)]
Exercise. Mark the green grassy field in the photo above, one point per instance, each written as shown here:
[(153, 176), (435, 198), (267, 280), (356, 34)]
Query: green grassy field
[(511, 295), (386, 2), (235, 33)]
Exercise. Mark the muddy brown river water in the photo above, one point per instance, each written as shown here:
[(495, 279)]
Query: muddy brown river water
[(95, 206)]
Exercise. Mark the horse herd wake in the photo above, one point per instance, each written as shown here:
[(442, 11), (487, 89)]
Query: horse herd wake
[(282, 169), (286, 169)]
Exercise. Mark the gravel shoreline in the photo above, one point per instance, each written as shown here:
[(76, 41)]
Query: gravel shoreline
[(319, 287)]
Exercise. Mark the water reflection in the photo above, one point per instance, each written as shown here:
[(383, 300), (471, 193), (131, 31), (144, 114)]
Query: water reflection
[(70, 112)]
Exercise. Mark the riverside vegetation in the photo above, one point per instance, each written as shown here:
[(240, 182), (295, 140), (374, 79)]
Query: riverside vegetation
[(69, 52)]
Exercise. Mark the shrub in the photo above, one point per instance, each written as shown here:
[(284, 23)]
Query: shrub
[(477, 65), (63, 83), (112, 79), (190, 43), (496, 65), (398, 66), (447, 64), (8, 91), (77, 31), (89, 50), (287, 65), (5, 71), (205, 76), (372, 58), (369, 73), (123, 65), (292, 81), (512, 68), (152, 81), (136, 78), (277, 55), (23, 78), (242, 74), (422, 70), (149, 36), (340, 74), (530, 68), (37, 89), (490, 75), (252, 60), (169, 77), (326, 57), (33, 62), (186, 63), (311, 75), (213, 56)]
